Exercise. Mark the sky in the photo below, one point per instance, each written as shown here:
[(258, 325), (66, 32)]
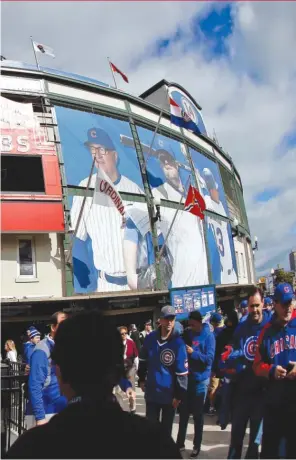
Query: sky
[(236, 59)]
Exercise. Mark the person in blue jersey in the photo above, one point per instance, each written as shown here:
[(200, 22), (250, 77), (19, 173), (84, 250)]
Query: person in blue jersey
[(45, 398), (244, 311), (163, 370), (200, 346), (217, 322), (92, 425), (275, 360), (267, 307), (247, 404), (34, 338)]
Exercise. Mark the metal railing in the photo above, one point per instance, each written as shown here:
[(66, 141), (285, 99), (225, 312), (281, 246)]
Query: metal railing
[(13, 402)]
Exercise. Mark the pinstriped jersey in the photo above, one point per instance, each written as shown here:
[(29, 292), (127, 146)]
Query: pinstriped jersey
[(103, 225)]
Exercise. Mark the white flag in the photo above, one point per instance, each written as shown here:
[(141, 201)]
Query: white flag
[(38, 47), (105, 194)]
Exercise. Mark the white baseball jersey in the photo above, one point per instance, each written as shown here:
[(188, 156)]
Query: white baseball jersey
[(220, 230), (103, 225), (185, 241)]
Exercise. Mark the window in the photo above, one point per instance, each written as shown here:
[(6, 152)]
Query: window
[(22, 174), (26, 266)]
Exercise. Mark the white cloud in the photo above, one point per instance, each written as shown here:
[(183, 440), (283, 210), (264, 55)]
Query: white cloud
[(248, 97)]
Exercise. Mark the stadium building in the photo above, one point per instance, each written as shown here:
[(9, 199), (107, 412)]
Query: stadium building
[(65, 140)]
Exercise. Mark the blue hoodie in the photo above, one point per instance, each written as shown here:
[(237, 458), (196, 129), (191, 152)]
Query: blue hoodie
[(44, 392), (201, 360)]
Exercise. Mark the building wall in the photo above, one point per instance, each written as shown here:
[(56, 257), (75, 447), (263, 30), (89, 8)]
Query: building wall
[(49, 270), (241, 261)]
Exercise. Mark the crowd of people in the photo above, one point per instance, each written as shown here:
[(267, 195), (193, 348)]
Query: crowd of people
[(240, 367)]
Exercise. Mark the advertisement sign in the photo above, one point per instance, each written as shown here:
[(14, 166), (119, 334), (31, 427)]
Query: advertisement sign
[(107, 255), (169, 175), (201, 298), (20, 130), (219, 237), (189, 107)]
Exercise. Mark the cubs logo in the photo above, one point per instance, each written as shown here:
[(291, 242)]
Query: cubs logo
[(287, 289), (167, 357), (188, 113), (250, 347), (160, 143), (93, 134)]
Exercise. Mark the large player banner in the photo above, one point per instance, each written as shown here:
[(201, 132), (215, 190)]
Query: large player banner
[(220, 242)]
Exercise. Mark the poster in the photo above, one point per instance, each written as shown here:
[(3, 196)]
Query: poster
[(219, 237), (201, 298), (189, 106)]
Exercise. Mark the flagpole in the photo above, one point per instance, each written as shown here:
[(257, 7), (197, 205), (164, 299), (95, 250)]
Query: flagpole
[(37, 63), (68, 256), (155, 131), (172, 223), (112, 73)]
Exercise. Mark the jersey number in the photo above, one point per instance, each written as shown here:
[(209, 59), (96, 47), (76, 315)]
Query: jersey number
[(219, 239)]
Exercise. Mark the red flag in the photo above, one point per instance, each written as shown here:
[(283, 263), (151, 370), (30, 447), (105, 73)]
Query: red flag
[(115, 69), (195, 203)]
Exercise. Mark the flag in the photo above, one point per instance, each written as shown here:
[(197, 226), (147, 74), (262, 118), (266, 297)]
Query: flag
[(115, 69), (43, 49), (195, 203), (3, 58), (180, 118), (105, 194)]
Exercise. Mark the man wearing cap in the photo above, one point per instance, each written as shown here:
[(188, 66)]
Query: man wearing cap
[(275, 360), (45, 398), (98, 247), (200, 345), (185, 241), (163, 370), (267, 307), (220, 231), (34, 338), (249, 392), (244, 310)]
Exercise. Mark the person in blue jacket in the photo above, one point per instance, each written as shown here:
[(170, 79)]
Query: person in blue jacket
[(34, 338), (267, 307), (248, 399), (275, 361), (244, 310), (200, 345), (163, 370), (45, 398)]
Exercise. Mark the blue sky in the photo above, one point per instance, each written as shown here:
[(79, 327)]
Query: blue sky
[(234, 58)]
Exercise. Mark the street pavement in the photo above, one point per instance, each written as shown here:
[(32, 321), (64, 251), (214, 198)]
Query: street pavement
[(215, 442)]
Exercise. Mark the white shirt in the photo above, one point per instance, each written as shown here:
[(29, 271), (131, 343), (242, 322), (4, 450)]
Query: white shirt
[(185, 242), (12, 356)]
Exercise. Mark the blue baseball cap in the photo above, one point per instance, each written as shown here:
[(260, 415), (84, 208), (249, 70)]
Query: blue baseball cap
[(267, 301), (167, 311), (101, 137), (244, 304), (283, 293), (216, 318), (210, 179)]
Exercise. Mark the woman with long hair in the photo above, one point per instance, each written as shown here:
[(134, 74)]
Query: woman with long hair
[(11, 353)]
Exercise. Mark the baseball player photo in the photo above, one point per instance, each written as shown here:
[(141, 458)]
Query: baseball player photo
[(186, 239), (219, 238), (98, 260)]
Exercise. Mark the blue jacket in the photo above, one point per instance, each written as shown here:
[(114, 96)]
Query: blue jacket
[(201, 360), (44, 392), (241, 356), (29, 347), (277, 347), (164, 365)]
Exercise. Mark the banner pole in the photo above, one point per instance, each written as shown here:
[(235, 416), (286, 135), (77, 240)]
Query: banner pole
[(173, 221), (37, 63), (155, 132), (112, 73), (68, 256)]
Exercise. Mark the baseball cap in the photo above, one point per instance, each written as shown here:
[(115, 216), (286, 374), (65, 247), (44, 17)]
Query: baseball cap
[(167, 311), (209, 179), (267, 301), (216, 318), (196, 316), (283, 293), (101, 137), (244, 304), (164, 155)]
